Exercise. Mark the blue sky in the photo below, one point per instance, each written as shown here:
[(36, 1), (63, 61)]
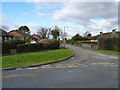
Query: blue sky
[(79, 17), (22, 12)]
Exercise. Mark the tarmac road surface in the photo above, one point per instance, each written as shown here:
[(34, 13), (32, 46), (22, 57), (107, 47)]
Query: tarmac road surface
[(87, 69)]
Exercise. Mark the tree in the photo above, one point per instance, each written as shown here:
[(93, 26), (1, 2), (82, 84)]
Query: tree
[(27, 39), (77, 37), (4, 27), (24, 29), (55, 33), (86, 33), (44, 32), (89, 35)]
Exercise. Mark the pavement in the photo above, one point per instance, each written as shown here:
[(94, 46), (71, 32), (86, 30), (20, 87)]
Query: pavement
[(87, 69)]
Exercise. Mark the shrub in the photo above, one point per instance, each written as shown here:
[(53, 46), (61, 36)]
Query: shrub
[(70, 42), (27, 39), (29, 47), (111, 43), (89, 42), (5, 48), (42, 45), (13, 43), (50, 43)]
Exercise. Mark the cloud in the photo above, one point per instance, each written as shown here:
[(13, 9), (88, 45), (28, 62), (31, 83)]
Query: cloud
[(82, 12), (89, 16), (104, 24), (44, 14), (33, 27), (8, 22), (12, 26)]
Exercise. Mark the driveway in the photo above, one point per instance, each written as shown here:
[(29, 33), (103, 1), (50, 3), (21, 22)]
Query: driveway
[(87, 69)]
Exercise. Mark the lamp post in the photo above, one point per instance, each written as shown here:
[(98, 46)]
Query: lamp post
[(64, 42)]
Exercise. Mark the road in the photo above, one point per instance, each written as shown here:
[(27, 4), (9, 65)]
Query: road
[(87, 69)]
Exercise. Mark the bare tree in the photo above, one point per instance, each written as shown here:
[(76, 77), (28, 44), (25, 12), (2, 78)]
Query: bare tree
[(4, 27), (44, 32)]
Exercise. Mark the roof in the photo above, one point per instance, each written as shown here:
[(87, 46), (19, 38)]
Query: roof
[(4, 33), (109, 34), (20, 32), (36, 36)]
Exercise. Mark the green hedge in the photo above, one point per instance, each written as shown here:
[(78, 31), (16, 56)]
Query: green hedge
[(112, 44), (42, 45), (13, 43), (5, 48), (89, 42), (70, 42), (29, 47)]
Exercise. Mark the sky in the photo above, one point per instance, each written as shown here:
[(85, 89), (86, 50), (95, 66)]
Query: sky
[(79, 17)]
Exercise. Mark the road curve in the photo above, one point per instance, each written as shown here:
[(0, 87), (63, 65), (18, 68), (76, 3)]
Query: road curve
[(87, 69)]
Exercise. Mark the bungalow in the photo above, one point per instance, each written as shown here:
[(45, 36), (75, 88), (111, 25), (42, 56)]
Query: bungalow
[(4, 36), (36, 37), (18, 34)]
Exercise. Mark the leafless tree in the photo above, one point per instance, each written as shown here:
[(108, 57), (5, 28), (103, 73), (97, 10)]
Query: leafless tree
[(44, 32), (4, 27)]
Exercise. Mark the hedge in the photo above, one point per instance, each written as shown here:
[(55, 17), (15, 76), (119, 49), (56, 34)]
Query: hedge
[(5, 48), (89, 42), (42, 45), (29, 47), (112, 44), (13, 43)]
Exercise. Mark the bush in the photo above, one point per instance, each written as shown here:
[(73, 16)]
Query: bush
[(42, 45), (112, 44), (50, 44), (29, 47), (5, 48), (13, 43), (70, 42), (89, 42)]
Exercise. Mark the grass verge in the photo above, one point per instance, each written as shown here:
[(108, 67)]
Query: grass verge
[(108, 52), (35, 58)]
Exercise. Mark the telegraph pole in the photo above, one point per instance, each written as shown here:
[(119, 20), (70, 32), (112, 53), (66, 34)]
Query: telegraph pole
[(64, 42)]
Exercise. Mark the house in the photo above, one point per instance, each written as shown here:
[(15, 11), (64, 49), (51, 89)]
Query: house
[(18, 34), (4, 36), (36, 37)]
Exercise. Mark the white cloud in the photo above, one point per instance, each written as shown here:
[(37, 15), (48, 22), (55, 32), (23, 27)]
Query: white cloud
[(6, 21), (88, 14), (33, 27), (82, 12), (12, 26), (105, 25), (44, 14)]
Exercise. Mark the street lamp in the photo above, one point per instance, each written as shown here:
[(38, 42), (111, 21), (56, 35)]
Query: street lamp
[(64, 42)]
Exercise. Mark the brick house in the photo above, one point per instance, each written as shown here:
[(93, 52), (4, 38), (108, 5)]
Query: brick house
[(4, 36), (18, 34), (36, 37)]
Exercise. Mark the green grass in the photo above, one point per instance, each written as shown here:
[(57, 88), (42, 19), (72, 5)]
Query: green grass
[(13, 50), (108, 52), (34, 58)]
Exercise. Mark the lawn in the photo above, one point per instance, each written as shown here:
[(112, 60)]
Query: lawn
[(35, 58), (108, 52)]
